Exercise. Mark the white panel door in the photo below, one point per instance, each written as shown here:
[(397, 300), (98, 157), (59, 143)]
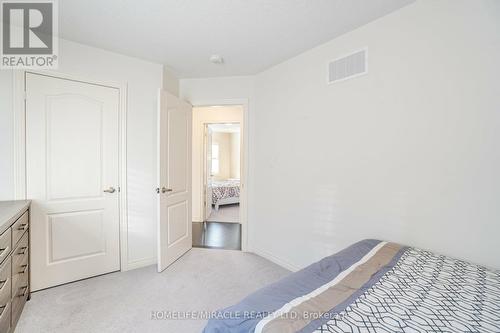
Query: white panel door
[(72, 172), (174, 179)]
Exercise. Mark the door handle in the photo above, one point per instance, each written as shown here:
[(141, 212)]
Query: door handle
[(22, 227), (24, 289), (24, 267), (164, 189), (110, 190)]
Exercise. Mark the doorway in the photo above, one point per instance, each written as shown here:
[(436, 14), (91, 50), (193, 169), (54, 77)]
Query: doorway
[(218, 193), (222, 172)]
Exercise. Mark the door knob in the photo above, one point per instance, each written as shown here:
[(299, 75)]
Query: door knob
[(164, 189), (110, 190)]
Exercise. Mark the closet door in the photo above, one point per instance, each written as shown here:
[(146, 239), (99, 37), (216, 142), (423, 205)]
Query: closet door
[(72, 169)]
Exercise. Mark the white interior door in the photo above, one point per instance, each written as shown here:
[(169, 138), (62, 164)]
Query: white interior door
[(72, 173), (207, 176), (174, 156)]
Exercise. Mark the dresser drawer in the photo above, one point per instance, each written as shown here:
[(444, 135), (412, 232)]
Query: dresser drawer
[(19, 227), (5, 244), (19, 298), (20, 260), (5, 282), (20, 275), (20, 287), (5, 318)]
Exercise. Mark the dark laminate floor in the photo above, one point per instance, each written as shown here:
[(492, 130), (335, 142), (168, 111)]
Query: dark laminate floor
[(217, 235)]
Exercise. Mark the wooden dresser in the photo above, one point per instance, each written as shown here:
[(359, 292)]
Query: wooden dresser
[(14, 262)]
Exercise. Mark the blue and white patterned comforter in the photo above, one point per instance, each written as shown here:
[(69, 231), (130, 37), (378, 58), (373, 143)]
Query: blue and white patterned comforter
[(373, 286)]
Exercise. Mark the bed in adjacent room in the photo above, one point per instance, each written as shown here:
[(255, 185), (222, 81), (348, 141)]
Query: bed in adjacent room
[(225, 192), (372, 286)]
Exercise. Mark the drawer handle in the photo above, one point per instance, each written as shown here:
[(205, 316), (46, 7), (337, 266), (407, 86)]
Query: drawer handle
[(25, 267), (2, 250), (23, 226), (25, 290), (23, 249), (3, 308), (2, 283)]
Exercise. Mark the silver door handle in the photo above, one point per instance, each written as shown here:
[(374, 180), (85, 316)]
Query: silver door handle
[(164, 189), (110, 190)]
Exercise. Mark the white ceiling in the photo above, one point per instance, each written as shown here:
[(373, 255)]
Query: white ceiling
[(251, 35)]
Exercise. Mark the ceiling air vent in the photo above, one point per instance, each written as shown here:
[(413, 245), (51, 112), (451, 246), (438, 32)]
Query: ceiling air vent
[(347, 67)]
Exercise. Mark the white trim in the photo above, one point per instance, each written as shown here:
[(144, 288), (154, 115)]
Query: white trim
[(299, 300), (278, 261), (244, 161), (20, 145), (141, 263), (224, 201), (124, 264), (19, 148), (204, 168)]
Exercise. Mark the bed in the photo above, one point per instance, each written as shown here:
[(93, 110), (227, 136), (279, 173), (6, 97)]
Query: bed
[(225, 192), (372, 286)]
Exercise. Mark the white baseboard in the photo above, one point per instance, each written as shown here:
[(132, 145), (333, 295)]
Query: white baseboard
[(275, 259), (140, 263)]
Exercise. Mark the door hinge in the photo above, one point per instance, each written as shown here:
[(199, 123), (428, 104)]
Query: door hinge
[(24, 95)]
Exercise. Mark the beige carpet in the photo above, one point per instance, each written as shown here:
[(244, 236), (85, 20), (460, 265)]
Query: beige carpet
[(123, 302), (226, 213)]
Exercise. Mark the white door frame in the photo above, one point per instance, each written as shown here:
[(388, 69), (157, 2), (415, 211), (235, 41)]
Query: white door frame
[(206, 124), (243, 102), (206, 169), (19, 83)]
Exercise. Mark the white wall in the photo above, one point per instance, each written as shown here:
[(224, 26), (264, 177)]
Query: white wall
[(143, 80), (6, 136), (408, 152), (202, 116), (205, 91), (170, 81)]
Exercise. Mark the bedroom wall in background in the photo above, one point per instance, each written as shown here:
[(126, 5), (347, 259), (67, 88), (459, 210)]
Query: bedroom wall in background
[(235, 155), (229, 150), (223, 140), (409, 152), (143, 81)]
